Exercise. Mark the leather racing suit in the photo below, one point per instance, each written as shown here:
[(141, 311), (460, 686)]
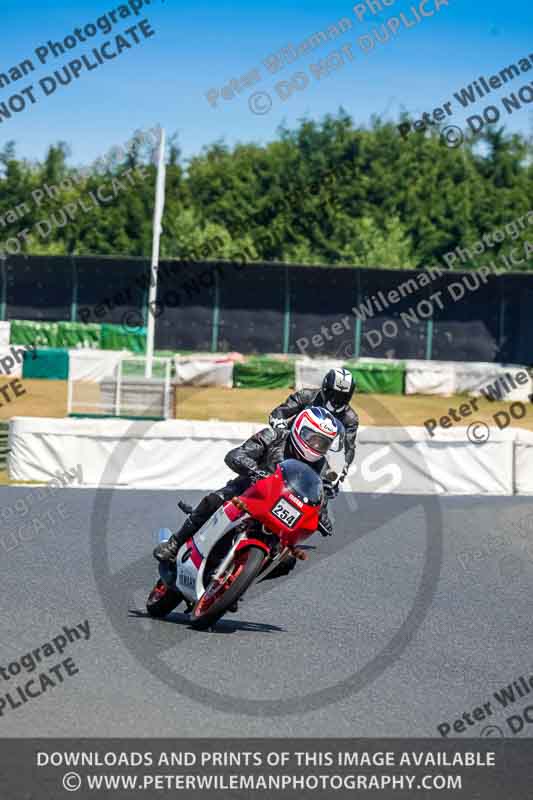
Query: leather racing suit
[(259, 454)]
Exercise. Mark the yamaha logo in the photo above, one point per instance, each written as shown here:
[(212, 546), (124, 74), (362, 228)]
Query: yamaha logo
[(296, 501)]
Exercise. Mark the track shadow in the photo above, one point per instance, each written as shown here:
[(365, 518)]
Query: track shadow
[(222, 626)]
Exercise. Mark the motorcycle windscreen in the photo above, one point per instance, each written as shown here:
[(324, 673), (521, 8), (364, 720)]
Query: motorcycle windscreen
[(303, 481)]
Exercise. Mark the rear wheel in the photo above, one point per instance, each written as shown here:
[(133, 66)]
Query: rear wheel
[(162, 600), (221, 594)]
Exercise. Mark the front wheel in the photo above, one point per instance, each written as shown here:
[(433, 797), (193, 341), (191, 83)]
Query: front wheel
[(221, 594), (162, 600)]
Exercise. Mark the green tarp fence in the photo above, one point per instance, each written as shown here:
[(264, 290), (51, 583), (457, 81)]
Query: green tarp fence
[(115, 337), (51, 363), (78, 335), (43, 334), (378, 378), (264, 373)]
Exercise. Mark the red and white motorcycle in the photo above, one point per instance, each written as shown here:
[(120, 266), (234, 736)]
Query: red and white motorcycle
[(245, 540)]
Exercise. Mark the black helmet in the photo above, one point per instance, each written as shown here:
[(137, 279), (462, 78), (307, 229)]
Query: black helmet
[(338, 387)]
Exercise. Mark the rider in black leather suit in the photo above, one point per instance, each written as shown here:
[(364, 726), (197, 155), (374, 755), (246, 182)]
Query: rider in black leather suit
[(253, 460), (331, 397)]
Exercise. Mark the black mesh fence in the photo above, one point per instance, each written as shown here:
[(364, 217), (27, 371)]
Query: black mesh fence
[(467, 328), (261, 308), (321, 297), (107, 288), (38, 288), (516, 323), (186, 296), (252, 309), (398, 303)]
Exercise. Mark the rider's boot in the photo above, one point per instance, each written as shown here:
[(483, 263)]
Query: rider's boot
[(167, 551)]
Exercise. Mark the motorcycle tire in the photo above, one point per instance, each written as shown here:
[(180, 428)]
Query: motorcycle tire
[(162, 600), (218, 599)]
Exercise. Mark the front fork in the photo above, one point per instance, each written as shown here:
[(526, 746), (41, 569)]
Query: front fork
[(224, 564), (168, 572)]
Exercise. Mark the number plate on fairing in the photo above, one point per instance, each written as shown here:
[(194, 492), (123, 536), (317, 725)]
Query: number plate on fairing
[(286, 512)]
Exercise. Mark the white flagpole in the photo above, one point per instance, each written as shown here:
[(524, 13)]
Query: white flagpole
[(158, 217)]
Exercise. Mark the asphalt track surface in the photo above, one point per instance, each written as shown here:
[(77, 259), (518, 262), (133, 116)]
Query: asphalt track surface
[(381, 633)]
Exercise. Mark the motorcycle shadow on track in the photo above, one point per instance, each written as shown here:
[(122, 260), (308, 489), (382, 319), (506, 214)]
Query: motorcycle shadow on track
[(222, 626)]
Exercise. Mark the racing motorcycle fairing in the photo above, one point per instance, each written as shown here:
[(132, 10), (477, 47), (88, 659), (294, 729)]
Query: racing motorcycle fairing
[(192, 556), (283, 508), (288, 502)]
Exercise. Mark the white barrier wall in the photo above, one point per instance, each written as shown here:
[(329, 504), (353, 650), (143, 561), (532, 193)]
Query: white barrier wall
[(204, 371), (309, 373), (472, 378), (429, 377), (163, 454), (524, 462), (421, 377), (509, 383), (94, 365), (190, 455), (5, 334)]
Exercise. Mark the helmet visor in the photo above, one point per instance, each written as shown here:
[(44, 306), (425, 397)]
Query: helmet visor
[(338, 399), (317, 441), (338, 444)]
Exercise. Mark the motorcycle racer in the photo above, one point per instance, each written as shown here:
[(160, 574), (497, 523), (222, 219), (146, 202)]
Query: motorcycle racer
[(337, 390), (311, 435)]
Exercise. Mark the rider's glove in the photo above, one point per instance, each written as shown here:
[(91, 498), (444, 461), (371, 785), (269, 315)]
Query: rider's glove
[(330, 490), (343, 474), (278, 423), (325, 527), (259, 474)]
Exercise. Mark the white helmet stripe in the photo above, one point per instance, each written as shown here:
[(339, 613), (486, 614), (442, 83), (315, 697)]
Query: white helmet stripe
[(342, 380)]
